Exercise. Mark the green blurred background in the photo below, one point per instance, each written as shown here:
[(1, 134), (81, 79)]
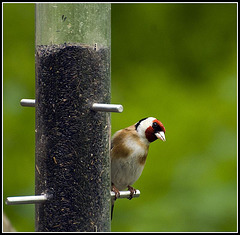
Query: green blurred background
[(175, 62)]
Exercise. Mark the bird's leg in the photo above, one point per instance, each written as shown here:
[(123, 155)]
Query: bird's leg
[(116, 191), (132, 191)]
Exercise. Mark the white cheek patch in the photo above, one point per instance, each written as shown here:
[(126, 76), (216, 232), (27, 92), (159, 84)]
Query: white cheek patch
[(144, 125)]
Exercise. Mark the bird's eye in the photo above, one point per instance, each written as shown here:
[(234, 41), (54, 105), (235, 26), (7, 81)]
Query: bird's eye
[(156, 127)]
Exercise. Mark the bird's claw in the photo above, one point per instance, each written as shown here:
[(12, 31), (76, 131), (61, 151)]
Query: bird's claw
[(116, 191), (132, 191)]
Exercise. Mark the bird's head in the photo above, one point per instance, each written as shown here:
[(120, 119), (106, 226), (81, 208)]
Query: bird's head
[(150, 129)]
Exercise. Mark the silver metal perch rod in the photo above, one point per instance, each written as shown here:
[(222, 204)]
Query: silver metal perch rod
[(42, 198), (126, 194), (26, 199), (27, 102), (117, 108)]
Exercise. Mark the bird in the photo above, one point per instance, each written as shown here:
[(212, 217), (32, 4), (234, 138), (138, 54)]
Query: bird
[(128, 154)]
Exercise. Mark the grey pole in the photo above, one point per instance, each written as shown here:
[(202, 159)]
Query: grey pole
[(72, 139)]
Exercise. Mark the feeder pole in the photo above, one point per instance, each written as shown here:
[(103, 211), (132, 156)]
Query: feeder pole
[(72, 137)]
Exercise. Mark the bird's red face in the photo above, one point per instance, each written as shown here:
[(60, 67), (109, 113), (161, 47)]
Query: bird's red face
[(155, 131)]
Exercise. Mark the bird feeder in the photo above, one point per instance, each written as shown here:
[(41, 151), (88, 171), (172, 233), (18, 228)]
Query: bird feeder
[(72, 112), (72, 139)]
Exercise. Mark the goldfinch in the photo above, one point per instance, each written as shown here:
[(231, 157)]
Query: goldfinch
[(129, 149)]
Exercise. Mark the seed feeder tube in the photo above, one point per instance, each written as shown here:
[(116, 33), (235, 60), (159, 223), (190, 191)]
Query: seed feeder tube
[(72, 61)]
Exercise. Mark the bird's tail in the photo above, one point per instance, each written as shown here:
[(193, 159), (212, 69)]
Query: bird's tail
[(112, 211), (112, 202)]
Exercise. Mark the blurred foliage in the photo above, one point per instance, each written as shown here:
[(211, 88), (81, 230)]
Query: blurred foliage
[(175, 62)]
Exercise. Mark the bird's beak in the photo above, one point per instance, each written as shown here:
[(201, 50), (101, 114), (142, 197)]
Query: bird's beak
[(160, 135)]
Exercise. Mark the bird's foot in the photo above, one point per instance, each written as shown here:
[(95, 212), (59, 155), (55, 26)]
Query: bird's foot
[(116, 191), (132, 191)]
